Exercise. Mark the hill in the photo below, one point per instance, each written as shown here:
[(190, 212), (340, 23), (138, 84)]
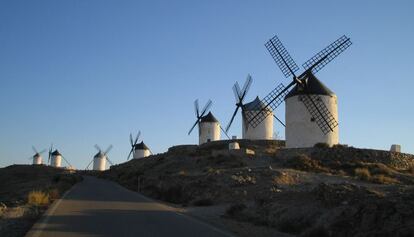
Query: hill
[(309, 192)]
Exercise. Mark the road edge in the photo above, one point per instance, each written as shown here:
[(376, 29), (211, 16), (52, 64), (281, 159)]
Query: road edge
[(38, 227)]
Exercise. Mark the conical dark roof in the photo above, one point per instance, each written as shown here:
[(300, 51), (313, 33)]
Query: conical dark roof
[(56, 153), (314, 87), (209, 118), (255, 105), (99, 154), (36, 155), (141, 146)]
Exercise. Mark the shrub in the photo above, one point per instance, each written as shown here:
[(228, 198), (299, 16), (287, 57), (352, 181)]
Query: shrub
[(284, 179), (339, 146), (321, 145), (305, 163), (382, 179), (382, 169), (411, 170), (182, 173), (362, 173), (53, 194), (235, 209), (203, 202), (38, 198)]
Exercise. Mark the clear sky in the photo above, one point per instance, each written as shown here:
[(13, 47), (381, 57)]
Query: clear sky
[(79, 73)]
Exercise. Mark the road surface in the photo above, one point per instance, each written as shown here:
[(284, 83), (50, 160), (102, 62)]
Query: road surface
[(98, 207)]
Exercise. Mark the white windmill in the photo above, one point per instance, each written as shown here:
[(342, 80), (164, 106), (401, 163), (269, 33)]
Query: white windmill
[(99, 160), (208, 126), (138, 150), (55, 158), (311, 108), (263, 130), (37, 157)]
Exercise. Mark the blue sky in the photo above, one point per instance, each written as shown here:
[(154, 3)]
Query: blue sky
[(79, 73)]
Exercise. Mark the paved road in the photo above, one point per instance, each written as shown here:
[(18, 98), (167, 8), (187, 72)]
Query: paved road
[(97, 207)]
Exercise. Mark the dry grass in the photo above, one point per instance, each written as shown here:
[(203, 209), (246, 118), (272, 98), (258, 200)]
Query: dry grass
[(382, 179), (284, 179), (363, 173), (38, 198)]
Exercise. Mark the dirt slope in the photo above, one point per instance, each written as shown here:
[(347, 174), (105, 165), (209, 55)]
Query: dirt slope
[(319, 191)]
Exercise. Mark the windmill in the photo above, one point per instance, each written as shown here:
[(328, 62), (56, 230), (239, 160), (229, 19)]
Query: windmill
[(99, 160), (133, 144), (55, 158), (311, 108), (138, 150), (37, 157), (209, 126), (265, 130)]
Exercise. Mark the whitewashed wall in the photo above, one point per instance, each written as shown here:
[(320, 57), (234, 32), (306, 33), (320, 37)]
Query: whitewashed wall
[(301, 131), (209, 131)]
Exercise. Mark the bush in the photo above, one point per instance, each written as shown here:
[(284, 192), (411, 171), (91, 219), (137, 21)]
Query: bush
[(38, 198), (235, 209), (53, 194), (203, 202), (382, 169), (362, 173), (411, 170), (305, 163), (382, 179), (321, 145)]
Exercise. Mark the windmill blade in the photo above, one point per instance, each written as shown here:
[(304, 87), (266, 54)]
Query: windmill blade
[(236, 92), (246, 86), (319, 112), (110, 162), (137, 137), (66, 161), (130, 139), (97, 147), (34, 149), (322, 58), (280, 121), (196, 109), (50, 153), (129, 155), (225, 133), (206, 108), (232, 118), (87, 167), (271, 101), (195, 124), (281, 56), (42, 151), (108, 149)]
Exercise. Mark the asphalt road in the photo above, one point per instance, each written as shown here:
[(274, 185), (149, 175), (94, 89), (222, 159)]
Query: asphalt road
[(97, 207)]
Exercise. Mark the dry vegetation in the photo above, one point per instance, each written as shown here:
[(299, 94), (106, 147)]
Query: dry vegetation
[(25, 193), (308, 192)]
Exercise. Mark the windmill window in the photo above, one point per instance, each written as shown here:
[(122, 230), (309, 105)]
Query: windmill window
[(312, 119)]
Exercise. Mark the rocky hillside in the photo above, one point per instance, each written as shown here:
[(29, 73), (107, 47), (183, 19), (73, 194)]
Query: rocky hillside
[(320, 191)]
